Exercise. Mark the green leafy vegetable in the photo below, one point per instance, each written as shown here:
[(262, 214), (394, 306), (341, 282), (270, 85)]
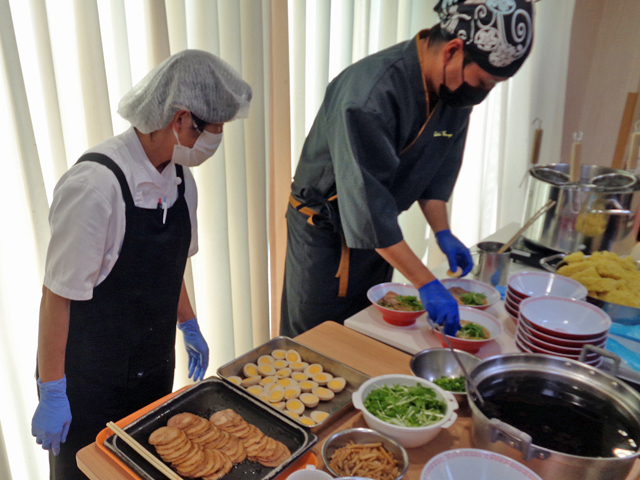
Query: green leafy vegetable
[(406, 302), (472, 298), (406, 406), (472, 331), (455, 384)]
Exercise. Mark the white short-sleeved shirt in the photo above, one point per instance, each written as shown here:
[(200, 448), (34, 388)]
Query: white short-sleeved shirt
[(87, 215)]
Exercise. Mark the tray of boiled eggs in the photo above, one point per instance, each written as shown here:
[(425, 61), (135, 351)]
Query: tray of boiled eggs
[(300, 382)]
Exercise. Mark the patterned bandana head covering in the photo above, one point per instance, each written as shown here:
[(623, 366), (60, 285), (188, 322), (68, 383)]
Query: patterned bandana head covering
[(497, 34)]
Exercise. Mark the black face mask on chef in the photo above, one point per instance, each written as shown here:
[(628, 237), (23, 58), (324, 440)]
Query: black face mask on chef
[(463, 96)]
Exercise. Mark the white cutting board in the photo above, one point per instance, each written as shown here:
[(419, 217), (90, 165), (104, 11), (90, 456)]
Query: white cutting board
[(418, 337)]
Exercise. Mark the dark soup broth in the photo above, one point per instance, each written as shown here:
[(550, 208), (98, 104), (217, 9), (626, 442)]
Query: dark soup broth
[(561, 417)]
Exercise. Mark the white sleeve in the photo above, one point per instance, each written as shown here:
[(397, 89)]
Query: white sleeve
[(80, 219)]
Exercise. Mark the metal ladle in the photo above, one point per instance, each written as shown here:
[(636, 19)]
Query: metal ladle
[(472, 384)]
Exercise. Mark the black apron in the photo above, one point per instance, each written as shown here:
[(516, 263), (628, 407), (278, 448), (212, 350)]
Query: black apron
[(311, 287), (121, 347)]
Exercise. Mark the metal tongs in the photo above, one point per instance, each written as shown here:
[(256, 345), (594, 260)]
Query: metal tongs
[(471, 383)]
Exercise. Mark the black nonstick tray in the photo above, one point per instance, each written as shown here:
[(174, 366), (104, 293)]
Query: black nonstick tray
[(204, 399)]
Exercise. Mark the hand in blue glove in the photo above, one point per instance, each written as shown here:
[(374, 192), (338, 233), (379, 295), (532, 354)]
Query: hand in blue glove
[(441, 306), (197, 349), (50, 423), (457, 254)]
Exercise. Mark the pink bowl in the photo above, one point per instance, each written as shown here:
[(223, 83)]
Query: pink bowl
[(511, 304), (562, 342), (474, 286), (565, 317), (513, 297), (394, 317), (514, 313), (535, 284), (536, 349), (523, 348), (488, 321), (526, 335)]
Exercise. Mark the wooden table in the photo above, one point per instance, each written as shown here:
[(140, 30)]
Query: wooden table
[(362, 353)]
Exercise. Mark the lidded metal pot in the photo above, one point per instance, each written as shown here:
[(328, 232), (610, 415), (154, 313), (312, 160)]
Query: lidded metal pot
[(599, 212)]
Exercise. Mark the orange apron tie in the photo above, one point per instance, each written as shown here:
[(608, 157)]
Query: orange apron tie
[(343, 267)]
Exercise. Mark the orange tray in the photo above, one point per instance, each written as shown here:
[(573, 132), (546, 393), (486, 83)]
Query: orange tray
[(307, 459)]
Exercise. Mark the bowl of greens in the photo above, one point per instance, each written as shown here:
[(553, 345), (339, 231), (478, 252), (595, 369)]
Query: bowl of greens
[(438, 365), (478, 329), (399, 303), (471, 293), (408, 409)]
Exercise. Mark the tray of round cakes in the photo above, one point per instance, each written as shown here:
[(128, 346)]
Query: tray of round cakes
[(214, 430)]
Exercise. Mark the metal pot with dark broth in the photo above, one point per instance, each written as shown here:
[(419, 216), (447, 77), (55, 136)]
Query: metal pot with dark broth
[(561, 418)]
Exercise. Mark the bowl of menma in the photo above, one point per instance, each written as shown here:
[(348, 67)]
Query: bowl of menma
[(438, 365), (409, 409)]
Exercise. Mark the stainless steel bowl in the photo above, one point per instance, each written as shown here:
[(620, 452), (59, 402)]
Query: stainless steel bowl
[(438, 362), (364, 435)]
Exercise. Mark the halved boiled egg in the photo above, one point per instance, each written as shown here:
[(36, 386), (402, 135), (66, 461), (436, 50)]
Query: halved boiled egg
[(250, 370), (312, 369), (322, 378), (264, 359), (309, 399), (235, 380), (299, 376), (255, 390), (337, 384), (292, 414), (247, 382), (292, 391), (279, 364), (293, 356), (296, 406), (276, 394), (307, 385), (298, 366), (264, 397), (319, 416), (279, 405), (323, 393), (286, 381), (266, 369), (279, 354), (268, 380), (284, 372), (306, 421)]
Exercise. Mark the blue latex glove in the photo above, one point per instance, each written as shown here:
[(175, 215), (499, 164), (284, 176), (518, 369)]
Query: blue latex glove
[(441, 306), (197, 349), (457, 254), (50, 423)]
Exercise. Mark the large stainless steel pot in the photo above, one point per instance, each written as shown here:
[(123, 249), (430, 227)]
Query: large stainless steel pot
[(599, 212), (541, 394)]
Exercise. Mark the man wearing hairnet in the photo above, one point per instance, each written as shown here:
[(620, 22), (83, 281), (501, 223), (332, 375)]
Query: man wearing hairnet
[(123, 222), (391, 131)]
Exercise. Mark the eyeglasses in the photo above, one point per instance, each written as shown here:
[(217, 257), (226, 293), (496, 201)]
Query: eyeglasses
[(198, 123)]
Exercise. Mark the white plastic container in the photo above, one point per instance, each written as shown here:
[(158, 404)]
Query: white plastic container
[(408, 437)]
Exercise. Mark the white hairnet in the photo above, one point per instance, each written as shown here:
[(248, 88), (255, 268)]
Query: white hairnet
[(192, 80)]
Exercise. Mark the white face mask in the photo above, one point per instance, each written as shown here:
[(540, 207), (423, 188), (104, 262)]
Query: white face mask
[(205, 146)]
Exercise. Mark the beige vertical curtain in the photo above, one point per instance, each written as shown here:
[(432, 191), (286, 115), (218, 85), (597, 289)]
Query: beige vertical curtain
[(64, 65)]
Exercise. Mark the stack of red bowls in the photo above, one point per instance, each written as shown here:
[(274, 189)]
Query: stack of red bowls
[(561, 327), (525, 285)]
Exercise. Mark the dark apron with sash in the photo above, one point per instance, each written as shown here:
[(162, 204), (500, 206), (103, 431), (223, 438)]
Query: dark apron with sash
[(318, 286), (121, 347)]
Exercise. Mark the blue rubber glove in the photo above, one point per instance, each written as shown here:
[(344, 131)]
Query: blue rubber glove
[(632, 332), (197, 349), (441, 306), (631, 358), (457, 254), (50, 423)]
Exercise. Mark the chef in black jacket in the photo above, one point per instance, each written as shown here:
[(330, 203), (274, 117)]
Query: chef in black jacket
[(391, 131)]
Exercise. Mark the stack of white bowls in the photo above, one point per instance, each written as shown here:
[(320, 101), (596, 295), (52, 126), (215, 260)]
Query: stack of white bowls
[(525, 285), (561, 327)]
